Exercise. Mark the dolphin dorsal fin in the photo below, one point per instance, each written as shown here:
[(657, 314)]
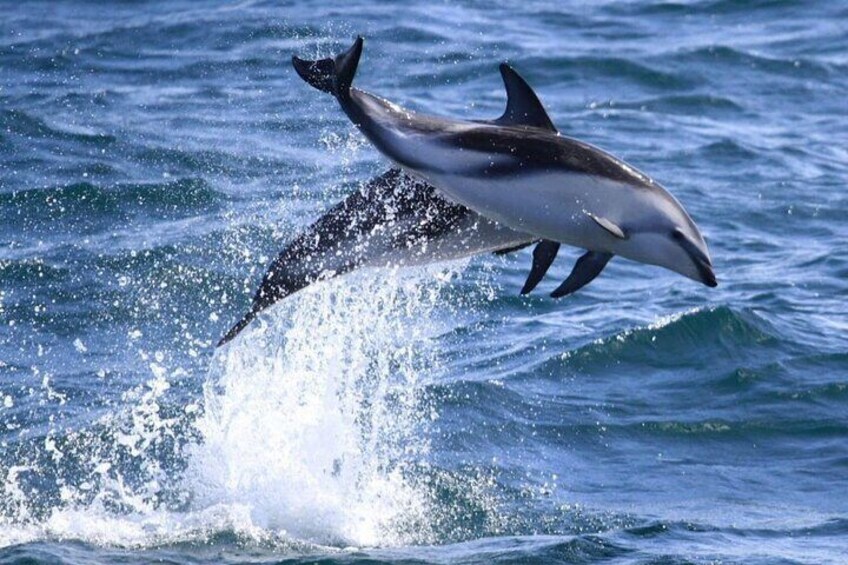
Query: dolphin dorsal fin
[(522, 105)]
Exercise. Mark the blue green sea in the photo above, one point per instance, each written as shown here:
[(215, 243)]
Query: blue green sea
[(156, 156)]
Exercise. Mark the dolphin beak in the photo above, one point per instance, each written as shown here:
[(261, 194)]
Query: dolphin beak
[(704, 267), (699, 258), (707, 275), (703, 264)]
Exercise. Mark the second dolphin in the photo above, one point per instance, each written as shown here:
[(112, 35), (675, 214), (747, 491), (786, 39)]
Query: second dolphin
[(392, 220)]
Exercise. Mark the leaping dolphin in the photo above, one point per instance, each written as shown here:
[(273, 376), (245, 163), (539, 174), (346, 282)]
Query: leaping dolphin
[(519, 171), (393, 219)]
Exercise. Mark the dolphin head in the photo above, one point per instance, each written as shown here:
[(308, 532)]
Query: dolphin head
[(671, 240)]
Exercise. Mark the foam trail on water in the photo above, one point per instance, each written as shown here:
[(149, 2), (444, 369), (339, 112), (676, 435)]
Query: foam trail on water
[(314, 422)]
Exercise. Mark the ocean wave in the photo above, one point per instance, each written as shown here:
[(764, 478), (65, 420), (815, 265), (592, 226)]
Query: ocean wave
[(620, 68), (412, 34), (737, 57), (715, 8), (20, 123), (12, 271), (212, 162), (729, 150), (82, 202), (712, 104), (696, 336)]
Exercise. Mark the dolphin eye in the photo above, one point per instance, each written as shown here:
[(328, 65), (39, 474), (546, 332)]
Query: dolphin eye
[(678, 234)]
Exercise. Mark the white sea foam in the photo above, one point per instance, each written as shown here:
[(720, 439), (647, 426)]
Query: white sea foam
[(314, 419), (313, 430)]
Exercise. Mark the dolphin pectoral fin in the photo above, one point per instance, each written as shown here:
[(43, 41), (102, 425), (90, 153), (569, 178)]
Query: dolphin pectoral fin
[(512, 248), (331, 75), (585, 270), (543, 256), (608, 225), (522, 105)]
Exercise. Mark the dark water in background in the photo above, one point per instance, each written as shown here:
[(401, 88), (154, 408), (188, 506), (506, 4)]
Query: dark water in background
[(153, 159)]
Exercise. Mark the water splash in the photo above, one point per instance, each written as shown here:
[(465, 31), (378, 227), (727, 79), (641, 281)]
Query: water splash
[(316, 420), (312, 429)]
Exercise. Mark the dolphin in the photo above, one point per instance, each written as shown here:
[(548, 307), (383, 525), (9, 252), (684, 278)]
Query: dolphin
[(519, 171), (393, 219)]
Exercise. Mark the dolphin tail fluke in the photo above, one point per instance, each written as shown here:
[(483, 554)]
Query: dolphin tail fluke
[(334, 75), (236, 329)]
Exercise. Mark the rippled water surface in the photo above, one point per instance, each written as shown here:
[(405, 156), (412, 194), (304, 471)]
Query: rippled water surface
[(154, 157)]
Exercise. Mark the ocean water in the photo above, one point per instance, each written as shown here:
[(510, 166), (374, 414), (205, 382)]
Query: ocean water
[(154, 157)]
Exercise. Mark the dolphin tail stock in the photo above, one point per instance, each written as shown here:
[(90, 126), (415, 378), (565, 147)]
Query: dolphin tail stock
[(279, 282), (238, 327), (331, 75), (275, 285)]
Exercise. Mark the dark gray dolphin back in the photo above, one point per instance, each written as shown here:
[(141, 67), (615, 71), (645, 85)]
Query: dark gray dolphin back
[(331, 246)]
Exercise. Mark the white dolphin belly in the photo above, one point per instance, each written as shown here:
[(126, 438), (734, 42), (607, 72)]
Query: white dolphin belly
[(472, 236), (553, 205)]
